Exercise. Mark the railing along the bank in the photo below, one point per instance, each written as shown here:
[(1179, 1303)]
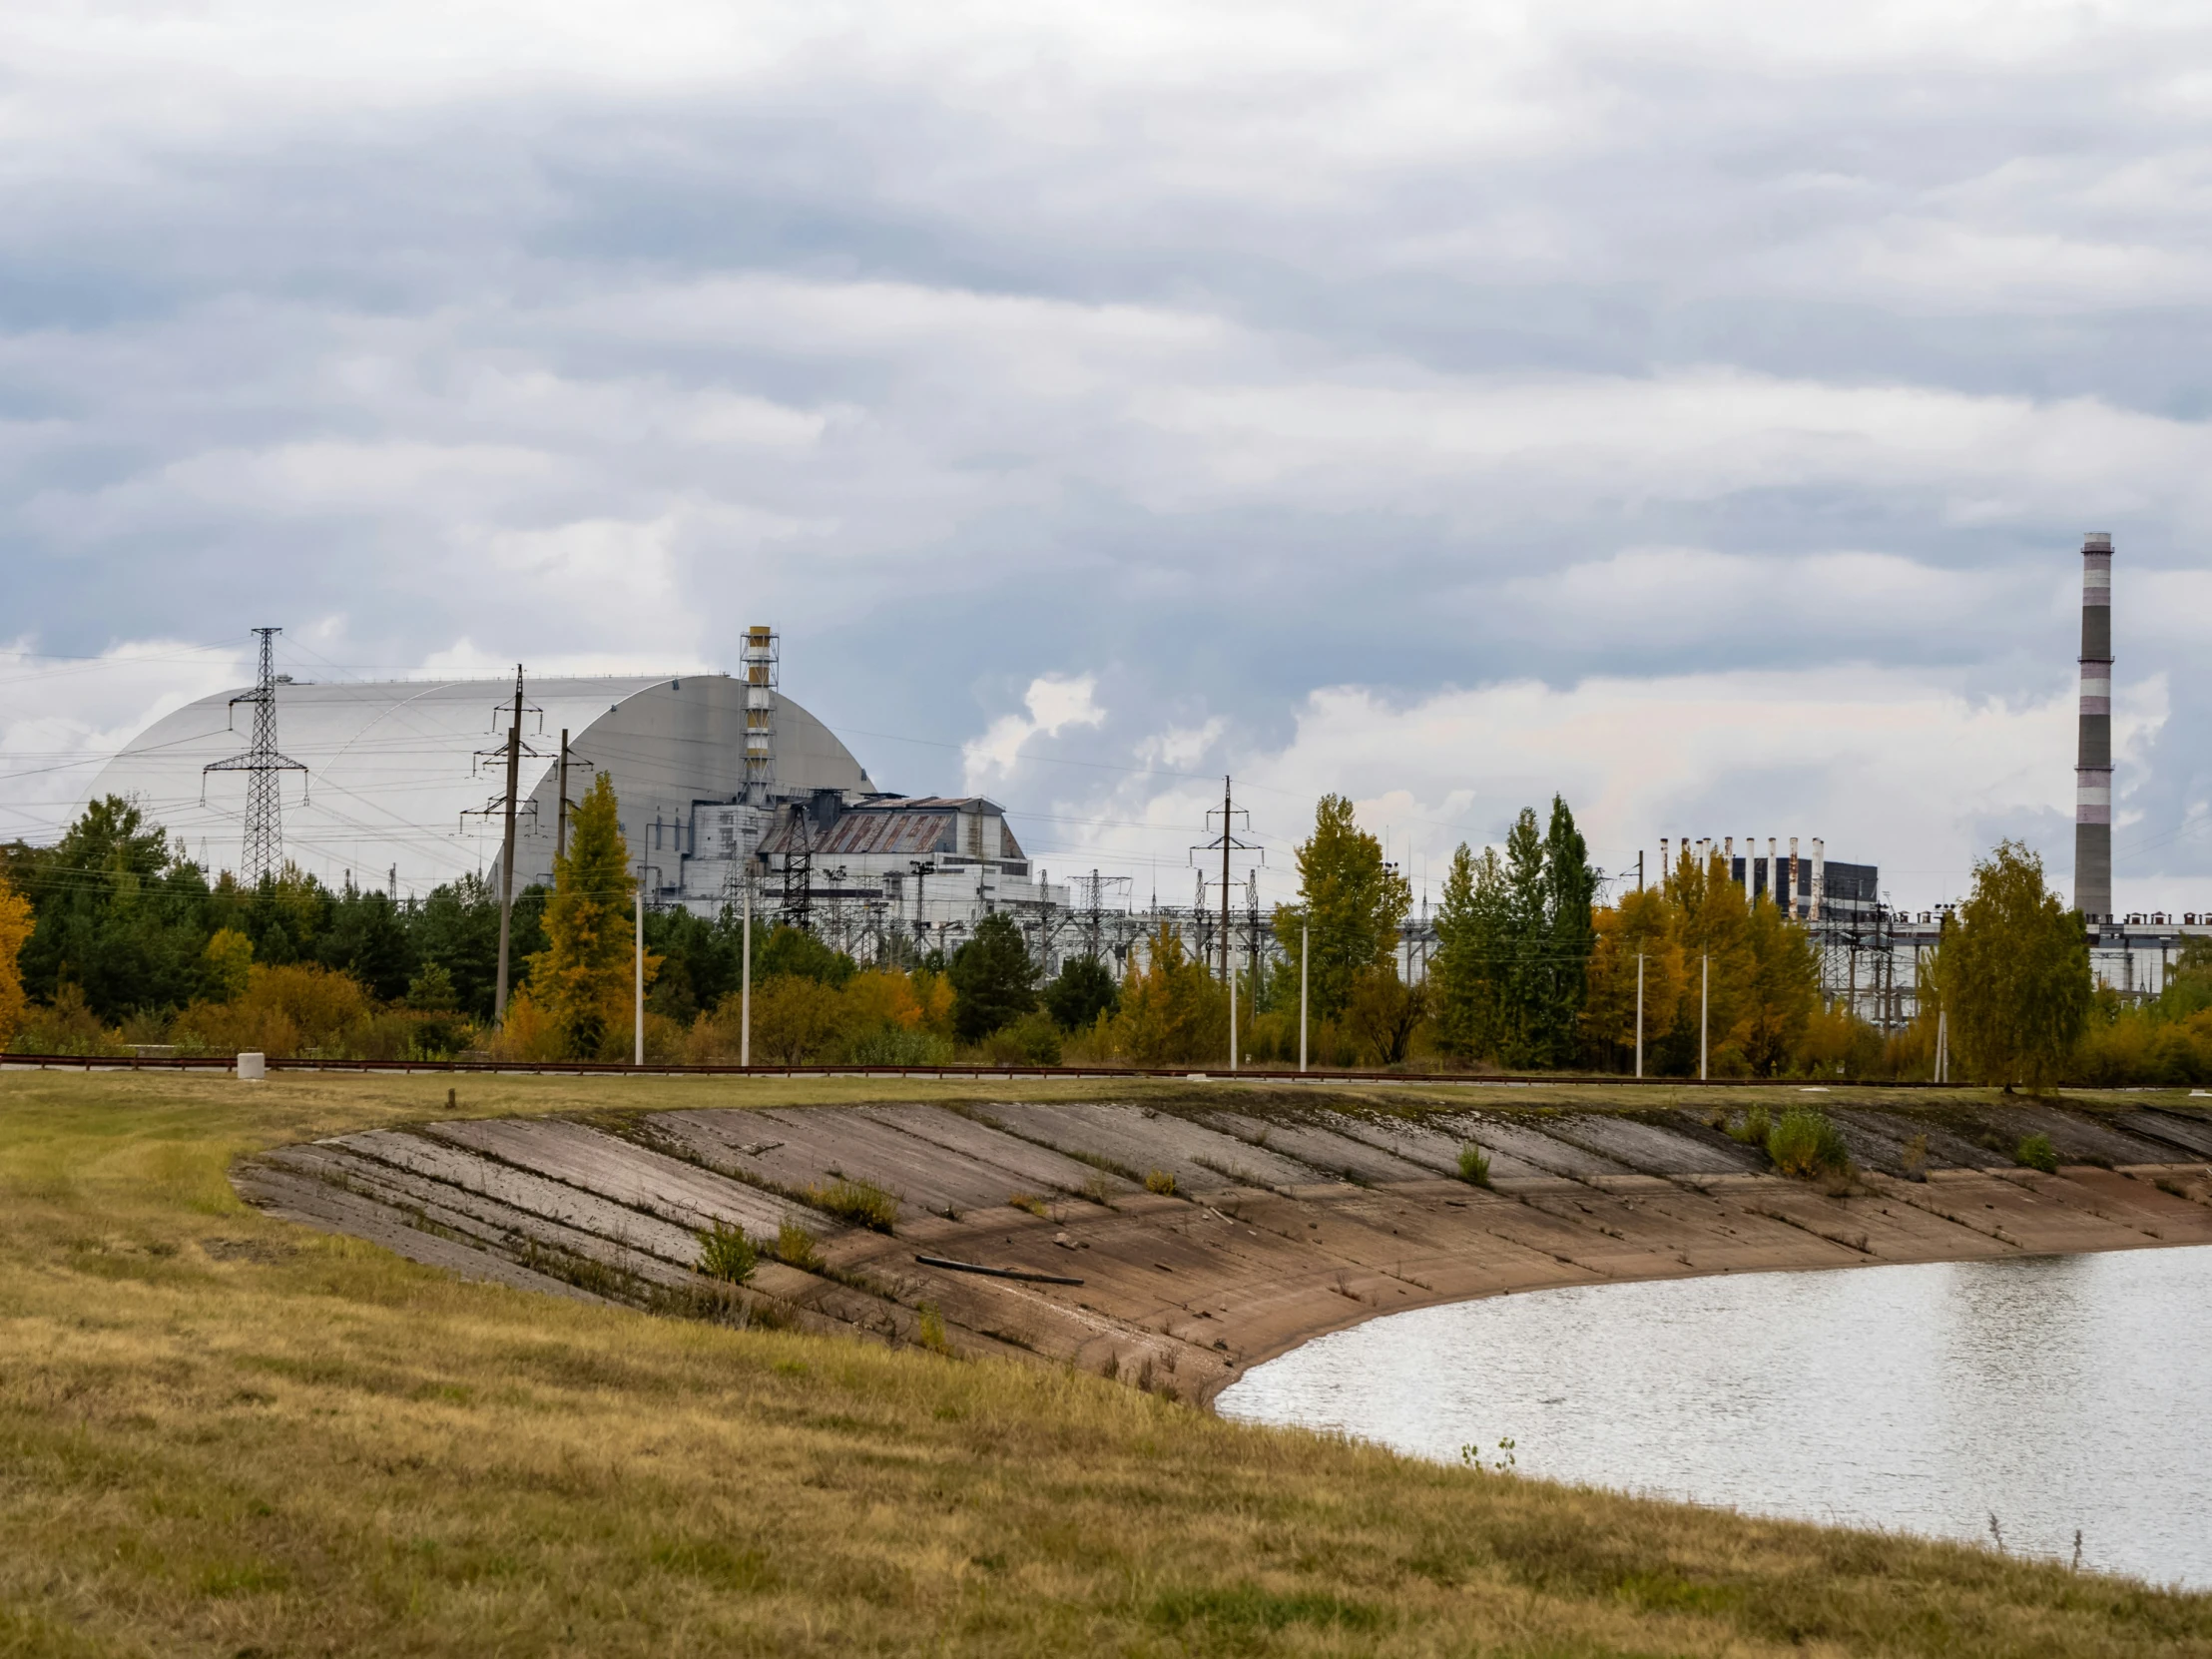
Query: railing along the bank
[(1319, 1076)]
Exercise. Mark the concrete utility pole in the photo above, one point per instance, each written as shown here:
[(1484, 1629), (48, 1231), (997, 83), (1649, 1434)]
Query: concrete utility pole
[(1227, 842), (507, 851), (560, 804), (1639, 1013), (745, 983), (1704, 1004), (1305, 957), (637, 895), (1232, 1021)]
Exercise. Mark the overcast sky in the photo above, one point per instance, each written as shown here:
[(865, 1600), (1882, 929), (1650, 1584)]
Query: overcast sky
[(1695, 410)]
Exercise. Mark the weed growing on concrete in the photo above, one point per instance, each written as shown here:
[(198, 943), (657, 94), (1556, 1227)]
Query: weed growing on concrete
[(1755, 1128), (1916, 1158), (929, 1330), (1099, 1190), (725, 1253), (794, 1247), (862, 1203), (1161, 1182), (1474, 1165), (1806, 1144), (2036, 1152), (1029, 1202)]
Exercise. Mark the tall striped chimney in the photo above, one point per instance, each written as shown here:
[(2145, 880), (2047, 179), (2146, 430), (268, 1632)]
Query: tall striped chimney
[(2093, 769)]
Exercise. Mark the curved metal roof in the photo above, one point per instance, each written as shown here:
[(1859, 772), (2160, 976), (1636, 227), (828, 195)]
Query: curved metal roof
[(393, 766)]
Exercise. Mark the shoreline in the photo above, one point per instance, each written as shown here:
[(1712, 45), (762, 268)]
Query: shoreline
[(1281, 1224)]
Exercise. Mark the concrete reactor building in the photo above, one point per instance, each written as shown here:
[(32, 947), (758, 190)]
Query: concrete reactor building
[(724, 785)]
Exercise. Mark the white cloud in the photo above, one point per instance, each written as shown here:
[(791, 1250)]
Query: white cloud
[(62, 720), (1055, 703)]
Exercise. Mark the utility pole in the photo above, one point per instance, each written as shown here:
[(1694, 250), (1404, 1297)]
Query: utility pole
[(560, 804), (1639, 1006), (1704, 1004), (507, 851), (1227, 844), (1304, 956), (637, 895), (262, 845), (745, 983), (1227, 805)]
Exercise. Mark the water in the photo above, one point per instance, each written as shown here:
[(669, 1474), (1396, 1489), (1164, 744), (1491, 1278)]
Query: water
[(2056, 1393)]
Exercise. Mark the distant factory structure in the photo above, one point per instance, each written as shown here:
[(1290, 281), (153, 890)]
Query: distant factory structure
[(727, 791), (1873, 957)]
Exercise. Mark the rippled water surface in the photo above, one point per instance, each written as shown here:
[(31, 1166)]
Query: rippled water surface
[(2055, 1392)]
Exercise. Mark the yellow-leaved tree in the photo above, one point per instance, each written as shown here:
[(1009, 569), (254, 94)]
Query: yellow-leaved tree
[(582, 984), (16, 923)]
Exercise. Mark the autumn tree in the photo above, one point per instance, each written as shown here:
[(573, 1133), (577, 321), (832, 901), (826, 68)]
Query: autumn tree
[(16, 923), (1636, 937), (1172, 1009), (2014, 974), (1350, 900), (583, 980)]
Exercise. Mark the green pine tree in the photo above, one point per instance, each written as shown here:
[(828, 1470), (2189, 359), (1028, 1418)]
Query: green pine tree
[(993, 979)]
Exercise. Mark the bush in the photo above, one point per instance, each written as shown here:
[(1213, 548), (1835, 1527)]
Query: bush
[(1161, 1182), (894, 1045), (1032, 1040), (862, 1203), (1806, 1144), (794, 1247), (2036, 1152), (1755, 1128), (1474, 1165), (725, 1253)]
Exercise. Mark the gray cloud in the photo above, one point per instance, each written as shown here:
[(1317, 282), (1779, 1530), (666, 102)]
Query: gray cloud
[(1225, 357)]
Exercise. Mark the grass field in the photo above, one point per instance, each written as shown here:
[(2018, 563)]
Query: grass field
[(223, 1435)]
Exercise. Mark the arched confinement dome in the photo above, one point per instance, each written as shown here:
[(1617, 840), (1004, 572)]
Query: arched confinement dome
[(392, 767)]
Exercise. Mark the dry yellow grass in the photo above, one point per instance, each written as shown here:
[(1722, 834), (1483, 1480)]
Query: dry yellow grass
[(223, 1434)]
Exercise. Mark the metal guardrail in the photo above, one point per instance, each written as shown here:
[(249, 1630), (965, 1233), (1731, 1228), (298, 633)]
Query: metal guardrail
[(590, 1068)]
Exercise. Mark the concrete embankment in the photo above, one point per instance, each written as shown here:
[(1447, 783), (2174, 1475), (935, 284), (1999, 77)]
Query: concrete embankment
[(1287, 1218)]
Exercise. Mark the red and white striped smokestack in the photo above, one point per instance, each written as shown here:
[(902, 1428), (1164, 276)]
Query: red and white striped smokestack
[(2093, 763)]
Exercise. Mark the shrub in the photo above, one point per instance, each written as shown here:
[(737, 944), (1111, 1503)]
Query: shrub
[(1032, 1040), (794, 1246), (1806, 1144), (862, 1203), (1474, 1165), (1755, 1128), (1030, 1202), (929, 1330), (1161, 1182), (896, 1045), (725, 1253), (793, 1018), (2036, 1152)]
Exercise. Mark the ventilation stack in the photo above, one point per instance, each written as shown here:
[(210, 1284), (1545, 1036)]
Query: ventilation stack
[(2093, 764), (760, 714)]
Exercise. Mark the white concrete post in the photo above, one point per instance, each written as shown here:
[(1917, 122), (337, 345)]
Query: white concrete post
[(1704, 1003), (252, 1067), (1232, 1013), (1639, 1014), (1304, 963), (744, 981), (637, 966)]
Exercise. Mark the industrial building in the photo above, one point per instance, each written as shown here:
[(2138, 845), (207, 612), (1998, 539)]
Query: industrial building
[(724, 784), (1873, 957)]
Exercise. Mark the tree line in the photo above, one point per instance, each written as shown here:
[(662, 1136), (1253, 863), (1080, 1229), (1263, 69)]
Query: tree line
[(111, 937)]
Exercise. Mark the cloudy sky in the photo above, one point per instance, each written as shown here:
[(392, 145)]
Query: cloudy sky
[(1695, 410)]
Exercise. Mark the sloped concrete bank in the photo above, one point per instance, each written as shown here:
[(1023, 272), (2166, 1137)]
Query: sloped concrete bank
[(1286, 1220)]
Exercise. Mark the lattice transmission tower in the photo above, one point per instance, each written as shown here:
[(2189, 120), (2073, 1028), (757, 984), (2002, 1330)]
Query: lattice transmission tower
[(262, 847)]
